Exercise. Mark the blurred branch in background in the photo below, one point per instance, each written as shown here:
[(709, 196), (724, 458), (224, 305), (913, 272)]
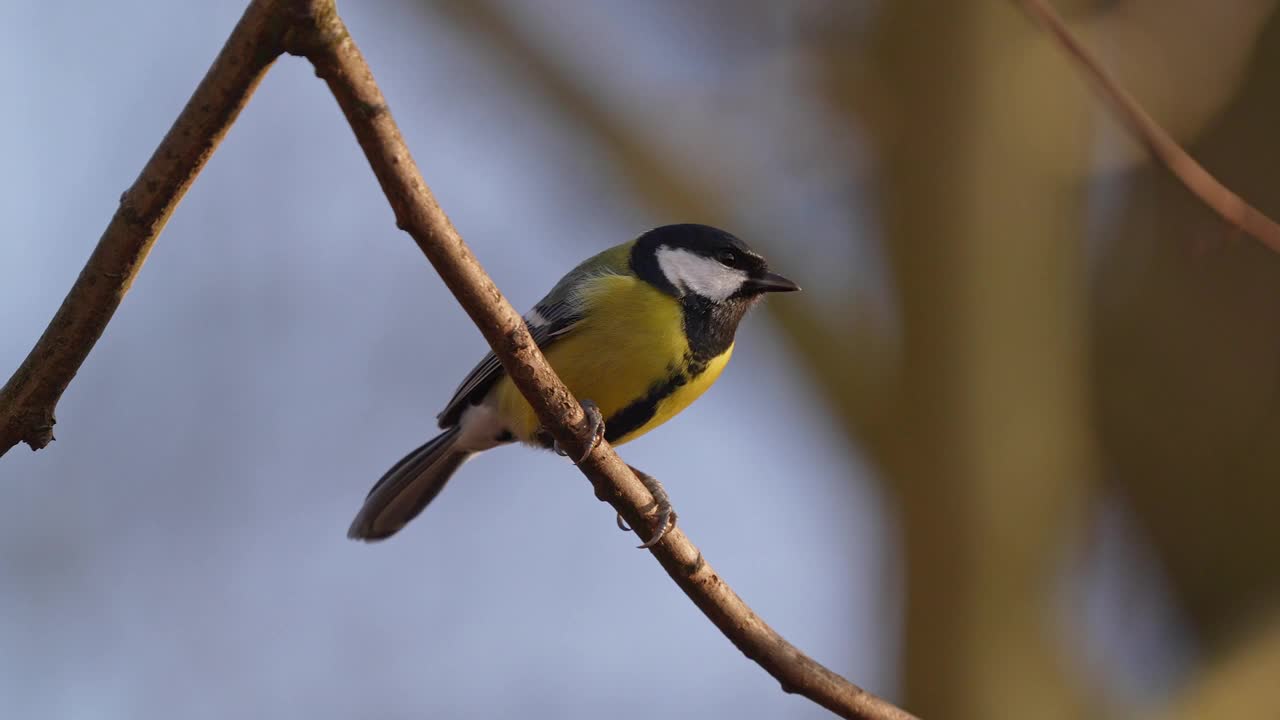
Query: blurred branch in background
[(28, 399), (1159, 143)]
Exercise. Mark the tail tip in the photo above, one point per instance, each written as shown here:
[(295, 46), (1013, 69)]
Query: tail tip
[(363, 531)]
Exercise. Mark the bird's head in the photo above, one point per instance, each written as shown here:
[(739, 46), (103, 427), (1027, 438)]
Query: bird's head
[(706, 264)]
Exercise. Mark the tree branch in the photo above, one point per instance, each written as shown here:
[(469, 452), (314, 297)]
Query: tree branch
[(340, 64), (28, 399), (1230, 206), (312, 28)]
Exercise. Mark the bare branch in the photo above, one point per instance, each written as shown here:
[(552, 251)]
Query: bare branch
[(340, 64), (313, 29), (28, 399), (1230, 206)]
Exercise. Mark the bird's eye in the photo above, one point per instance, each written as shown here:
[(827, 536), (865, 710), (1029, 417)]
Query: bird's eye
[(727, 257)]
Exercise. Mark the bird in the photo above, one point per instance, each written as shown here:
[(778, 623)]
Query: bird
[(636, 332)]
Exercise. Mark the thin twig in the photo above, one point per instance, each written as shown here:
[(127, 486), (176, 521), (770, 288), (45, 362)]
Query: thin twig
[(313, 29), (1230, 206), (28, 399), (340, 64)]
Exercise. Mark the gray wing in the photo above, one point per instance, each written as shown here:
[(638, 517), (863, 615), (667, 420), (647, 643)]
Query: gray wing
[(547, 321)]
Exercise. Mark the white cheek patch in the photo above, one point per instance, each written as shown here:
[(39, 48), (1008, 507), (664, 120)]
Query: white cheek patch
[(699, 275)]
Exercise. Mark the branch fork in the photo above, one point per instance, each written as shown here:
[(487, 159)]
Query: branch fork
[(313, 29)]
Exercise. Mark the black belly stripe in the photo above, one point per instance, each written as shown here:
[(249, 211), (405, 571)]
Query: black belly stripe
[(634, 416)]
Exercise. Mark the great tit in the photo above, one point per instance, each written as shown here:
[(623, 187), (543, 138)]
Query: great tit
[(637, 333)]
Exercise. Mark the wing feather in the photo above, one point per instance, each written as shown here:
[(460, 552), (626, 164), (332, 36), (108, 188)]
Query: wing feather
[(547, 321), (555, 316)]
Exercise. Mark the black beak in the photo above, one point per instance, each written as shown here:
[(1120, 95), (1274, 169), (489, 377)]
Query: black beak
[(769, 282)]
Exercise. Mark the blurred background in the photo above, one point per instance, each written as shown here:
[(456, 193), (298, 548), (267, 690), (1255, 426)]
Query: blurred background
[(1012, 454)]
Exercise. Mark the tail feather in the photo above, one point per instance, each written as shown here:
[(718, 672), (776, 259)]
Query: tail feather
[(405, 489)]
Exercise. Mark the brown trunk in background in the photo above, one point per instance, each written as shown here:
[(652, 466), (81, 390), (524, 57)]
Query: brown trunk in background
[(993, 468)]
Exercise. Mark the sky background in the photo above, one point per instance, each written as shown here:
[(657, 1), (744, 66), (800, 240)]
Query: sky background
[(181, 547)]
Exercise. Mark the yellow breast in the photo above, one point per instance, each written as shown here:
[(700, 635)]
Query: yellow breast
[(630, 357)]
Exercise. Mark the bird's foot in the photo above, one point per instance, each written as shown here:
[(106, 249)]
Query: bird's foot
[(595, 420), (661, 503)]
